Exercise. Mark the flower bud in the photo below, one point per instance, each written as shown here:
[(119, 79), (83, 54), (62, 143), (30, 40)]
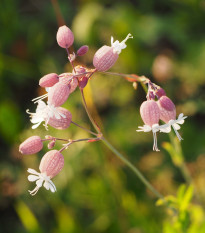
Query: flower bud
[(51, 163), (104, 58), (58, 94), (150, 112), (31, 145), (82, 50), (48, 80), (51, 144), (82, 80), (160, 92), (63, 122), (167, 109), (64, 37)]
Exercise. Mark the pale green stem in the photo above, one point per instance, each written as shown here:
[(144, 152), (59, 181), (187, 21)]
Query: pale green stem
[(121, 157)]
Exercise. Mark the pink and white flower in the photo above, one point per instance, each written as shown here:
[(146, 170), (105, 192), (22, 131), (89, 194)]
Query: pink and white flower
[(51, 164), (43, 113)]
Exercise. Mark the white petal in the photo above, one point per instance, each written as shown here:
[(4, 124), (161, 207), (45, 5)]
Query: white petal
[(41, 106), (32, 178), (146, 128), (52, 188), (180, 116), (39, 182), (36, 125), (176, 126), (32, 171), (53, 185), (46, 185), (166, 129), (155, 128)]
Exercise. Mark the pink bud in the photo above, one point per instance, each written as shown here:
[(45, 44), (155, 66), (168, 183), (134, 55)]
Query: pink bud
[(51, 144), (83, 82), (149, 112), (58, 94), (64, 37), (48, 80), (31, 145), (62, 123), (67, 79), (167, 109), (82, 50), (104, 58), (51, 163), (160, 92)]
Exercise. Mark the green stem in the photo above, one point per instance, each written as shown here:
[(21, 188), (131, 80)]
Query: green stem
[(122, 158), (133, 168), (88, 113)]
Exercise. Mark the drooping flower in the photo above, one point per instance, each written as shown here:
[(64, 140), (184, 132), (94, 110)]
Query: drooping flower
[(168, 115), (63, 122), (31, 145), (43, 113), (51, 164), (150, 114), (106, 56)]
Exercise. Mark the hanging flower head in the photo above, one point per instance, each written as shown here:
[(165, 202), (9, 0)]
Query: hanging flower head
[(106, 56), (168, 115), (150, 114), (43, 113), (51, 164)]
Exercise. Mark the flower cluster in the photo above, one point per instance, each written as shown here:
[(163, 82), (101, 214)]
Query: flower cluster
[(163, 109), (58, 89)]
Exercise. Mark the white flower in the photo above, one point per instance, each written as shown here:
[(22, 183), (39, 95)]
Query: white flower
[(118, 46), (40, 178), (166, 128), (43, 113), (155, 128)]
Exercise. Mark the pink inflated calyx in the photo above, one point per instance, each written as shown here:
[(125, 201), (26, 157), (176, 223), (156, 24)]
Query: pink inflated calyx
[(104, 58), (167, 109), (51, 163), (63, 122), (49, 80), (31, 145), (68, 79), (58, 94), (64, 37), (149, 112)]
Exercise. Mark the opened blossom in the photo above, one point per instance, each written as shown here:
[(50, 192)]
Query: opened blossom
[(51, 164), (43, 113), (106, 56), (150, 115), (168, 115)]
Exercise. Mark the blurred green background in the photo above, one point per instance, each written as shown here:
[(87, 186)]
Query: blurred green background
[(95, 191)]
